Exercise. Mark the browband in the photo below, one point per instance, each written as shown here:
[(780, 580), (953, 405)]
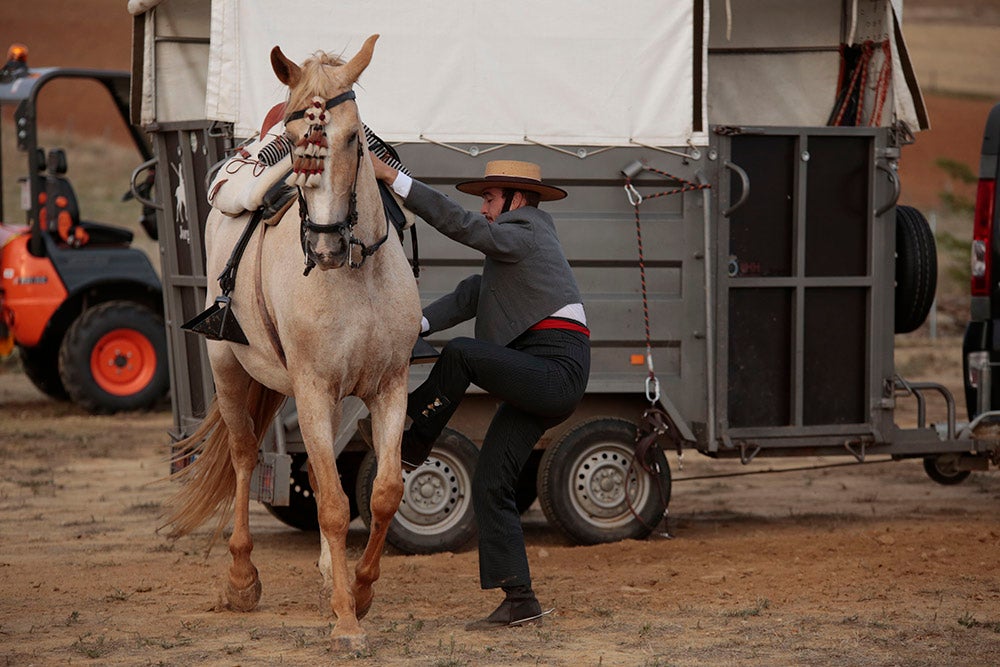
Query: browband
[(332, 102)]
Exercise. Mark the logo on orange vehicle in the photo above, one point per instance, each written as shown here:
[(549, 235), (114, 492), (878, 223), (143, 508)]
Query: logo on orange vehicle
[(31, 280)]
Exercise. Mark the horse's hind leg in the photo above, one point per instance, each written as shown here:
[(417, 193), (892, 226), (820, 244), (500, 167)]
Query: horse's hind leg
[(243, 588), (388, 417)]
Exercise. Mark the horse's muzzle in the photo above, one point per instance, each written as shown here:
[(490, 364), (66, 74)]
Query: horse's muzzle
[(329, 249)]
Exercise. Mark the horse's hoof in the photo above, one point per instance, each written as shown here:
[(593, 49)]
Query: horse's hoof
[(349, 643), (245, 599)]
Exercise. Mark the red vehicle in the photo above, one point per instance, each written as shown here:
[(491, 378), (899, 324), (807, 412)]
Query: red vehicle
[(82, 307)]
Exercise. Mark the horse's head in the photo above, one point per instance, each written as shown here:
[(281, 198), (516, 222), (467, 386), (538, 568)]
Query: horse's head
[(329, 149)]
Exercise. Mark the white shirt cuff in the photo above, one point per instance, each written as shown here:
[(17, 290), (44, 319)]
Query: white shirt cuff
[(401, 186), (424, 324)]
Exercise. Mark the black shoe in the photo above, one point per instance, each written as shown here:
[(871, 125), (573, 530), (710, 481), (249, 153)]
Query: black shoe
[(511, 613), (413, 452)]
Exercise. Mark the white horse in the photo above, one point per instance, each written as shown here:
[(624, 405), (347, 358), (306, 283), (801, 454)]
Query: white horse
[(346, 329)]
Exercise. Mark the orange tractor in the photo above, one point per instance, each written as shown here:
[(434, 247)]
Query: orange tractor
[(81, 306)]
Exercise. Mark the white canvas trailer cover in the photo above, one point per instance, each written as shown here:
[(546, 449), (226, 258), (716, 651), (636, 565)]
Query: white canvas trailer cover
[(645, 73)]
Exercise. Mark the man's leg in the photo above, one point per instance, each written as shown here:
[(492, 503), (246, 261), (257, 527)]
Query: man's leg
[(503, 559), (506, 448)]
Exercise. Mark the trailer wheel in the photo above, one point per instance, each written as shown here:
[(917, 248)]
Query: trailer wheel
[(590, 490), (944, 469), (301, 509), (436, 512), (916, 269), (41, 365), (114, 358)]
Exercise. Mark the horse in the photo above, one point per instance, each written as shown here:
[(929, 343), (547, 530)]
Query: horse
[(344, 330)]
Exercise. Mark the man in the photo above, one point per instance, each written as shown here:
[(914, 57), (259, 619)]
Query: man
[(531, 350)]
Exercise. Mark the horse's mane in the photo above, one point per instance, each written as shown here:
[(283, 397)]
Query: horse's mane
[(319, 73)]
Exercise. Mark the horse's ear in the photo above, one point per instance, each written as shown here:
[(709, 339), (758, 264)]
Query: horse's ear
[(287, 72), (359, 62)]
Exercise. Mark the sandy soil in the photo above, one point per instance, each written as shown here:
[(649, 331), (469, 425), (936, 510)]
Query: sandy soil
[(851, 565), (859, 565)]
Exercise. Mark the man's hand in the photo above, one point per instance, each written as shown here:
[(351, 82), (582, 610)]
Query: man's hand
[(383, 172)]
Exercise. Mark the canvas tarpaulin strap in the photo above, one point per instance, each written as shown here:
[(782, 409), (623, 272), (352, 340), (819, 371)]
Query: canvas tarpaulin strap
[(571, 73)]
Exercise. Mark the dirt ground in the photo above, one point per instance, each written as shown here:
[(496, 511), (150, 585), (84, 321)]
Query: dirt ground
[(850, 565)]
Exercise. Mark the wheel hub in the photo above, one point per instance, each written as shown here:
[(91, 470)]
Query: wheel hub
[(123, 362), (430, 493), (603, 485)]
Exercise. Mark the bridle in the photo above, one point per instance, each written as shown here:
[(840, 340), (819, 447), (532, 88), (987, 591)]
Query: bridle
[(307, 164)]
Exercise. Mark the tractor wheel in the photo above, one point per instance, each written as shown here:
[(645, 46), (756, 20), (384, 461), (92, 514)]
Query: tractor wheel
[(590, 488), (435, 513), (114, 358), (41, 365)]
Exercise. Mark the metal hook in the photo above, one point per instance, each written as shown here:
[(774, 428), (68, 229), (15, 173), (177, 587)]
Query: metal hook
[(652, 389), (633, 195)]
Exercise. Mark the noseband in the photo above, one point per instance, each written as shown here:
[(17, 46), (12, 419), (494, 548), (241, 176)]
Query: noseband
[(308, 158)]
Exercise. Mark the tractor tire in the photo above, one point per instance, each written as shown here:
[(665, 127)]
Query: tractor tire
[(41, 365), (916, 269), (114, 358), (592, 491), (435, 513)]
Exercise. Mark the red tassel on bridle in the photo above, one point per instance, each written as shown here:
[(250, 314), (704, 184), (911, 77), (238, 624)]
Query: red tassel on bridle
[(311, 151)]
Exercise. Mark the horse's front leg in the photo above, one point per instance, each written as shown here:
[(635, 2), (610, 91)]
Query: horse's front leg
[(388, 417), (319, 424)]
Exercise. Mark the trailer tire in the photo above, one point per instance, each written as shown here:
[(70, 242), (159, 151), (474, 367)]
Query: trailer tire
[(942, 469), (300, 512), (435, 513), (584, 479), (114, 358), (41, 365), (916, 269)]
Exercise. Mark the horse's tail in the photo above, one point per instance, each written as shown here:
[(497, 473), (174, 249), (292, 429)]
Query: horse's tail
[(208, 480)]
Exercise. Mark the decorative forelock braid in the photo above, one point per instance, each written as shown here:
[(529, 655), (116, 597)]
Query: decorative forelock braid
[(311, 150)]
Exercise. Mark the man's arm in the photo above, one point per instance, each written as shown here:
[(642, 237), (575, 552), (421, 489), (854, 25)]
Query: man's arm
[(454, 308), (508, 240)]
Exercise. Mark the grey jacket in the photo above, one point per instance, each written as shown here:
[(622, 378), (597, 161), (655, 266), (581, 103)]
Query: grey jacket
[(525, 274)]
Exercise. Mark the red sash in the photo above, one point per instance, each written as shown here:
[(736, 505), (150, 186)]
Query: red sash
[(560, 323)]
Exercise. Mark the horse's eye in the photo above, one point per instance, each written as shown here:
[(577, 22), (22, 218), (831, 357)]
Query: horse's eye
[(351, 140)]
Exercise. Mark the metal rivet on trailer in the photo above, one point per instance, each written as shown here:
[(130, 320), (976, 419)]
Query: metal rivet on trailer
[(805, 156)]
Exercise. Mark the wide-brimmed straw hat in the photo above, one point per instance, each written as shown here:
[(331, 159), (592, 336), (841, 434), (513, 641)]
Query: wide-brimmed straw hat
[(512, 174)]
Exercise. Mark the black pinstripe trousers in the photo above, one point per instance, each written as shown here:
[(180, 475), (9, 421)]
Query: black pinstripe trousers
[(540, 378)]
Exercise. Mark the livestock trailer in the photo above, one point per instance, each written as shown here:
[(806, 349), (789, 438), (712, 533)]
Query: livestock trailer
[(731, 220)]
